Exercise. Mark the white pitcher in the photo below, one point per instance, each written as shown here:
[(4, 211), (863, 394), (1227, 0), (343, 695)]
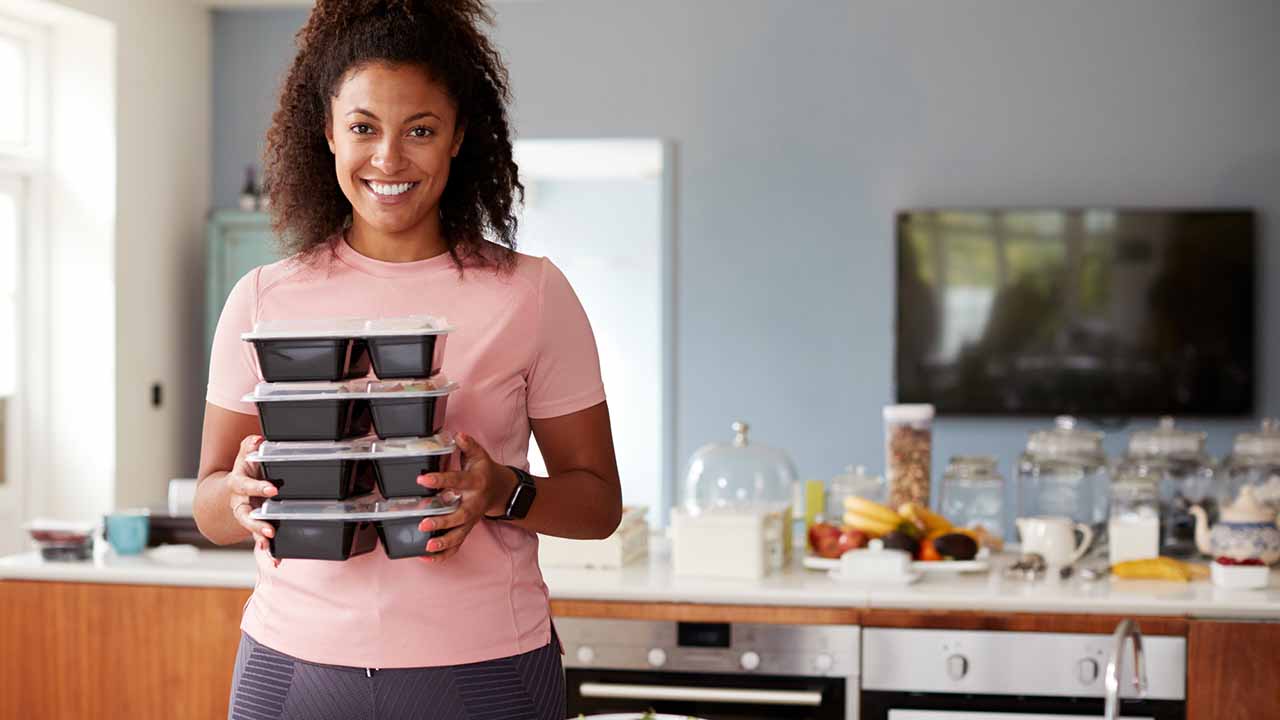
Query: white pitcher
[(1054, 538)]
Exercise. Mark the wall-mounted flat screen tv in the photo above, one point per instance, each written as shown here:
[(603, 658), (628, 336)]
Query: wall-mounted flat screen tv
[(1103, 312)]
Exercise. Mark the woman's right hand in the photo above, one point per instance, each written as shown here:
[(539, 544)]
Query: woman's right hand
[(247, 490)]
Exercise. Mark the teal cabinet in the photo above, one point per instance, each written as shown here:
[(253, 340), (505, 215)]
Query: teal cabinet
[(237, 242)]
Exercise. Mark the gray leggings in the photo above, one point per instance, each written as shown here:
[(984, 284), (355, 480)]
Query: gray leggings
[(269, 685)]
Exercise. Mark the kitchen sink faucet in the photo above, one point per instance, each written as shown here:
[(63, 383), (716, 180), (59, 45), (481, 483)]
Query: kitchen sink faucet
[(1125, 630)]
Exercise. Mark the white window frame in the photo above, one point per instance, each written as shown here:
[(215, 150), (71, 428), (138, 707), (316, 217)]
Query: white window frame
[(24, 171), (30, 156)]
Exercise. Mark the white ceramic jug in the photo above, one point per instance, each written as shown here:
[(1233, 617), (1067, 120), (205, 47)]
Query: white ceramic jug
[(1053, 538)]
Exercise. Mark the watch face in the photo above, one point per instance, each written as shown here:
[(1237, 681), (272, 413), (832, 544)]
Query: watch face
[(521, 501)]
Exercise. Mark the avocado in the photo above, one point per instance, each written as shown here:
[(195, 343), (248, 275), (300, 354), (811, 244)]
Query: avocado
[(898, 540), (956, 546)]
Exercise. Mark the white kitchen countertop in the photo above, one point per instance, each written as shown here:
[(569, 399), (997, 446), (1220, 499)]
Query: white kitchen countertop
[(654, 582)]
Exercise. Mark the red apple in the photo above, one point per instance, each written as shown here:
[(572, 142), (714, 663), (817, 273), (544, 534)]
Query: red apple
[(850, 539), (823, 538)]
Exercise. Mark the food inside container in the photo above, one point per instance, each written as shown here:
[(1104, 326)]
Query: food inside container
[(310, 350), (321, 530), (407, 347), (292, 412), (397, 463), (316, 470), (60, 540), (408, 408)]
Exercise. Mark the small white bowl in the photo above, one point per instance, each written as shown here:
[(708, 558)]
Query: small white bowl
[(1239, 577)]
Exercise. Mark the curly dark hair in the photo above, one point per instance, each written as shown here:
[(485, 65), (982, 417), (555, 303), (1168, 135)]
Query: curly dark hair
[(444, 37)]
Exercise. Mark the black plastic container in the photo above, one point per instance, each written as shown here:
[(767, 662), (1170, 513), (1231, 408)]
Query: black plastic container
[(319, 479), (398, 476), (321, 539), (301, 412), (401, 538), (298, 420), (397, 417), (316, 470), (328, 359), (320, 530), (407, 356)]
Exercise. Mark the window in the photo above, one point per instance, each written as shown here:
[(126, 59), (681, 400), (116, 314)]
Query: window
[(11, 203), (22, 157), (599, 209)]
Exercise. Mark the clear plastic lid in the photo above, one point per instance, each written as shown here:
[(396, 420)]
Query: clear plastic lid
[(972, 468), (1167, 441), (438, 444), (363, 508), (285, 391), (358, 449), (431, 387), (347, 327), (1066, 442), (1263, 445), (738, 474), (305, 328), (359, 388), (409, 325), (271, 451)]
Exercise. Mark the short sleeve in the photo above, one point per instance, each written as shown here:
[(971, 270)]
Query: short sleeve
[(564, 376), (232, 369)]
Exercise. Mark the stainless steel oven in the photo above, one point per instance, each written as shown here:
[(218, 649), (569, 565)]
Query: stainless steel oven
[(724, 671), (964, 675)]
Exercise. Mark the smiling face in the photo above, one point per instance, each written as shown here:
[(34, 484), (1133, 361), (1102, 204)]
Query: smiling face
[(393, 131)]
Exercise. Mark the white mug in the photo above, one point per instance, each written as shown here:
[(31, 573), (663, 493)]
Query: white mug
[(1053, 538)]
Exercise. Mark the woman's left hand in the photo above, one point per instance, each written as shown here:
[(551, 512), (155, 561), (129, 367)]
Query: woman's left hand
[(484, 485)]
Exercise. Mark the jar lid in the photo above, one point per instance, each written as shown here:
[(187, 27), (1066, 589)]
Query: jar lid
[(917, 413), (1133, 474), (1167, 441), (1065, 441), (1259, 445), (971, 467)]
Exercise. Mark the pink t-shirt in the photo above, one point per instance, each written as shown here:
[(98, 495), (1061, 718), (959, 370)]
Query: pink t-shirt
[(522, 349)]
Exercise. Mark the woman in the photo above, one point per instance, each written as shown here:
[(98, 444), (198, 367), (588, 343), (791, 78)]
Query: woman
[(390, 160)]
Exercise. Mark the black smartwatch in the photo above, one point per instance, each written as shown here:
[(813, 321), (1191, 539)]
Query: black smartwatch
[(521, 498)]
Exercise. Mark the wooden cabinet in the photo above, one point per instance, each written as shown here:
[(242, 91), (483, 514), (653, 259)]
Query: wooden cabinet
[(136, 652), (1233, 670)]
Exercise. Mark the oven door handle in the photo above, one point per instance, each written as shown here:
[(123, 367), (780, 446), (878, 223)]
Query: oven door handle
[(801, 698)]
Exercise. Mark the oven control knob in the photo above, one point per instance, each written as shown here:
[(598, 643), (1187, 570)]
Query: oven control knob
[(749, 660), (657, 657), (957, 667), (586, 654), (1087, 671), (823, 662)]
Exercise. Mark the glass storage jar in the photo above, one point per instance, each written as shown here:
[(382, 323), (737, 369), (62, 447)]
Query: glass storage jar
[(1064, 472), (1133, 530), (853, 482), (908, 449), (1254, 461), (973, 493), (1176, 462)]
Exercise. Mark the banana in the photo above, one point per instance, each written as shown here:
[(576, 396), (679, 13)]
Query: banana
[(921, 516), (873, 526), (1158, 568), (870, 509)]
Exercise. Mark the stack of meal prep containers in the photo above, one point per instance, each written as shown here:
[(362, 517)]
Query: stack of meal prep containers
[(317, 406)]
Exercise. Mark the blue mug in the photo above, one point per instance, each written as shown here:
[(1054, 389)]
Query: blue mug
[(127, 531)]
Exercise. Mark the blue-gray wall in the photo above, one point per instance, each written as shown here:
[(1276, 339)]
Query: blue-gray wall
[(803, 126)]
